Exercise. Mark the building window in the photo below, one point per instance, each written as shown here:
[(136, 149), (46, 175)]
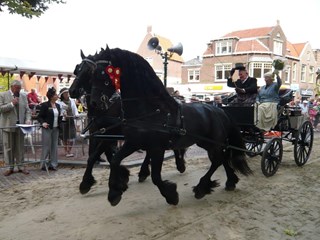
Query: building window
[(294, 72), (224, 47), (222, 72), (311, 75), (194, 75), (260, 68), (277, 47), (287, 75), (303, 73)]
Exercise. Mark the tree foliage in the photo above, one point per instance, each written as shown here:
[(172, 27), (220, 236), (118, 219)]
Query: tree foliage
[(27, 8), (4, 82)]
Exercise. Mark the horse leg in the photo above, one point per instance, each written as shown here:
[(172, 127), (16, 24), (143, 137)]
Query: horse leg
[(167, 189), (119, 175), (232, 178), (144, 170), (88, 180), (205, 185), (179, 156), (110, 149)]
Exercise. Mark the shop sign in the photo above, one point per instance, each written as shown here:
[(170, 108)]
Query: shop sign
[(306, 92), (213, 87)]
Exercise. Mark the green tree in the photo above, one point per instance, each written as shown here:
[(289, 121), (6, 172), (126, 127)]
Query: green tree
[(27, 8), (4, 82)]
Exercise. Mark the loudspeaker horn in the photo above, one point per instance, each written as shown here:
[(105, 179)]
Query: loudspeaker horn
[(178, 49), (153, 43)]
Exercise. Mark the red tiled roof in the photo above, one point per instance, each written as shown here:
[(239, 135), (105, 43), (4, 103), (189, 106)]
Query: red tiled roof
[(250, 45), (249, 33), (291, 51), (299, 47)]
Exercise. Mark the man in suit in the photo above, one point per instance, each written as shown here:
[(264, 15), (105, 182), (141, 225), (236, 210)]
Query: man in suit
[(246, 87), (14, 109)]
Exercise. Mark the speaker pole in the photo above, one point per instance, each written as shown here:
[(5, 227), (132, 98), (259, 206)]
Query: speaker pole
[(153, 44), (165, 70)]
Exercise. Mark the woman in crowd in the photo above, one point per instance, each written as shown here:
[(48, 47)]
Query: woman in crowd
[(50, 117), (68, 129), (268, 99)]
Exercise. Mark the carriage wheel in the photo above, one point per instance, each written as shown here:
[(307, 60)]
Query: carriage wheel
[(271, 157), (254, 148), (303, 143)]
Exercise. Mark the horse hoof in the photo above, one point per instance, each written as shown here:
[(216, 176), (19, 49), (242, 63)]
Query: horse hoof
[(199, 195), (182, 169), (173, 200), (142, 178), (86, 187), (230, 188), (114, 197)]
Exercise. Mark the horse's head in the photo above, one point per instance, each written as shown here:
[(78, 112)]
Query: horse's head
[(103, 91), (84, 73)]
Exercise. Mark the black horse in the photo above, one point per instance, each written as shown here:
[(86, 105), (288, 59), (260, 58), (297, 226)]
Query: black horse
[(105, 118), (154, 121)]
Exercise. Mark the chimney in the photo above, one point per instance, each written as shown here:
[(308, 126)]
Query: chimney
[(149, 29)]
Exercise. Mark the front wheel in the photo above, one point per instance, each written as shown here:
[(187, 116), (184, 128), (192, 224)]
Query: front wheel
[(271, 157), (303, 143)]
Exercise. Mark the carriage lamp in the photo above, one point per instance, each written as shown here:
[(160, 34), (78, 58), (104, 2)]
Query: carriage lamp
[(153, 44)]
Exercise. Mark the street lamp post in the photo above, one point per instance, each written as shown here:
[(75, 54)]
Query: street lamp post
[(153, 44)]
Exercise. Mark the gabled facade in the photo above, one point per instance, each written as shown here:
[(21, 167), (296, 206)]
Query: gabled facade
[(156, 60), (256, 49)]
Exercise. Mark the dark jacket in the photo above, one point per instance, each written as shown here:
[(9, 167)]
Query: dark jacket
[(250, 86), (46, 114)]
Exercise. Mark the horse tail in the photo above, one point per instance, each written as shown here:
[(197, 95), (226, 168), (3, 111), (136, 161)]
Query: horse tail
[(237, 157)]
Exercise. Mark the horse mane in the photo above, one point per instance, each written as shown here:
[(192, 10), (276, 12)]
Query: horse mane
[(138, 79)]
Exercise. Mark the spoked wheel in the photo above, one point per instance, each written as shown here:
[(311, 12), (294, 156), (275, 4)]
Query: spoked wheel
[(303, 143), (253, 141), (254, 148), (271, 157)]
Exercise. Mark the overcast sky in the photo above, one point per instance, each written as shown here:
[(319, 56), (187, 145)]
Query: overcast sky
[(58, 35)]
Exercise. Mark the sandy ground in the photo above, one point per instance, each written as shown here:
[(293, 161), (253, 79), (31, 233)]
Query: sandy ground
[(285, 206)]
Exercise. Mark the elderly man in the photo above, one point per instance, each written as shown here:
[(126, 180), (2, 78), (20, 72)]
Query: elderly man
[(246, 87), (33, 99), (14, 110)]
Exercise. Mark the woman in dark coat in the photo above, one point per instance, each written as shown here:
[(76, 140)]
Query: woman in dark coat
[(50, 118)]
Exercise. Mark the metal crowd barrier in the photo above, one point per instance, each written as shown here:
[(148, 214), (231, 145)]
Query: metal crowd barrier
[(33, 143)]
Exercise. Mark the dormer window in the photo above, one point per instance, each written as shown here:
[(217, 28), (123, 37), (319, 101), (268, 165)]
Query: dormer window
[(277, 45), (224, 47)]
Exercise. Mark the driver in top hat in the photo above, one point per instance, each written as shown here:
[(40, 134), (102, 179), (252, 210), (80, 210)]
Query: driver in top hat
[(246, 87)]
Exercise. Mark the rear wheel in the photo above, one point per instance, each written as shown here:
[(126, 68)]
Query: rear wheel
[(303, 143), (271, 157)]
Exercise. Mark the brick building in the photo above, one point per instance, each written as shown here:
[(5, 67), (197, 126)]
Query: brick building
[(256, 49)]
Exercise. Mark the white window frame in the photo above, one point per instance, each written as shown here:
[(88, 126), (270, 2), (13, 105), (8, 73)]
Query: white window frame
[(311, 74), (277, 46), (225, 68), (303, 73), (223, 47), (288, 75), (264, 66), (195, 72), (294, 72)]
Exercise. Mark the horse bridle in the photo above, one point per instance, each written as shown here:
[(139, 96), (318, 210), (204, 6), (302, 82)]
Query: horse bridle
[(105, 100)]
